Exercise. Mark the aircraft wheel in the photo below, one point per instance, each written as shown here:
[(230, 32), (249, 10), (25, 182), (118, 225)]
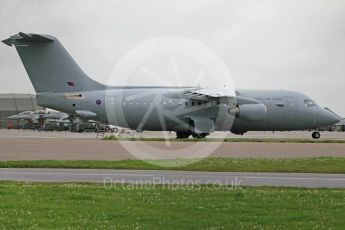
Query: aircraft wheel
[(182, 135), (316, 135), (199, 135)]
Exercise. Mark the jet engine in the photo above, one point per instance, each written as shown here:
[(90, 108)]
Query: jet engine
[(250, 112)]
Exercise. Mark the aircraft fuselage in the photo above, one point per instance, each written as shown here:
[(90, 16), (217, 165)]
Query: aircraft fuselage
[(144, 108)]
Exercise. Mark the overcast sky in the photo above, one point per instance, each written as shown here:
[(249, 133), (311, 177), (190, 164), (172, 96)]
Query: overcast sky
[(270, 44)]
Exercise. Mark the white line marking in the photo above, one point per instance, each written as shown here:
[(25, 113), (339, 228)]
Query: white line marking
[(75, 174), (291, 178)]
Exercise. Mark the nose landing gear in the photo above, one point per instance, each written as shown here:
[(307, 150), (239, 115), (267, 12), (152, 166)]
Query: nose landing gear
[(316, 135)]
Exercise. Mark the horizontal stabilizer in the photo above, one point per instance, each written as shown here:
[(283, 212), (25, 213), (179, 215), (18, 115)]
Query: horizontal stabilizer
[(8, 41), (27, 37)]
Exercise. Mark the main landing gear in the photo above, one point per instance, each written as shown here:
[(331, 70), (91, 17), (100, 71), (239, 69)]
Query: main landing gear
[(316, 135), (184, 135), (199, 135)]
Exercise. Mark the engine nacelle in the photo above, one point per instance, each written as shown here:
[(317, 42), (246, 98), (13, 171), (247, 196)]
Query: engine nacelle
[(251, 112)]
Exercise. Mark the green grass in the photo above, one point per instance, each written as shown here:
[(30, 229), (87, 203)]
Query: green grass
[(306, 165), (91, 206), (268, 140)]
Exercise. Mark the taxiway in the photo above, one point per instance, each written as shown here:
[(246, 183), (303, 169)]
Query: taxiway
[(143, 177)]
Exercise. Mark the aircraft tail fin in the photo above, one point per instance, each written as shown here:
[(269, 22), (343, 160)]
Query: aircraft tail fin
[(49, 66)]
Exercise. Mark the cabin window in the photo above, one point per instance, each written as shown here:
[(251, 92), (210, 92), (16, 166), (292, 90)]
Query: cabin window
[(192, 103), (199, 102), (309, 103)]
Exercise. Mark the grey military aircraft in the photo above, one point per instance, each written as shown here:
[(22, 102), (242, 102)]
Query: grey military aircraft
[(58, 116), (26, 115), (37, 117), (39, 114), (33, 118), (60, 84)]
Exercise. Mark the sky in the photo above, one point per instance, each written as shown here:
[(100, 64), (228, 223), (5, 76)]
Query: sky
[(265, 44)]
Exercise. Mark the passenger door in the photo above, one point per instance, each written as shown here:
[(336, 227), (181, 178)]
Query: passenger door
[(290, 108)]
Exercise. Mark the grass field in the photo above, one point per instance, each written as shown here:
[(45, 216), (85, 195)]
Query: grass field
[(268, 140), (306, 165), (91, 206)]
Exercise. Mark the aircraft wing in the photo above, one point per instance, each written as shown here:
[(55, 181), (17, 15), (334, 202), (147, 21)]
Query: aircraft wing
[(209, 94)]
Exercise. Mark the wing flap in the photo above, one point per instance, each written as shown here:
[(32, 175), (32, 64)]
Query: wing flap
[(213, 92), (209, 94)]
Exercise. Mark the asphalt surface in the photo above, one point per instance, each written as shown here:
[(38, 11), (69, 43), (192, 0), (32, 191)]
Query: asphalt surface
[(142, 177), (29, 145), (91, 149)]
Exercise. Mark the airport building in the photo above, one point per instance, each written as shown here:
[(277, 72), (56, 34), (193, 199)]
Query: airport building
[(11, 104)]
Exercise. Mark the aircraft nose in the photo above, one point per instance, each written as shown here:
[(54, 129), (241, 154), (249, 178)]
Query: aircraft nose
[(328, 117)]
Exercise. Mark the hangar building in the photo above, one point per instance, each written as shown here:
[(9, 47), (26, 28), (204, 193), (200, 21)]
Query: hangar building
[(11, 104)]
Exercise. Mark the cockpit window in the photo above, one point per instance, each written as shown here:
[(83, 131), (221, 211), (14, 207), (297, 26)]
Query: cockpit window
[(309, 103)]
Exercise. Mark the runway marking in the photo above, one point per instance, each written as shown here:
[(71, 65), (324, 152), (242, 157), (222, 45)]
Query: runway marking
[(76, 174), (292, 178)]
